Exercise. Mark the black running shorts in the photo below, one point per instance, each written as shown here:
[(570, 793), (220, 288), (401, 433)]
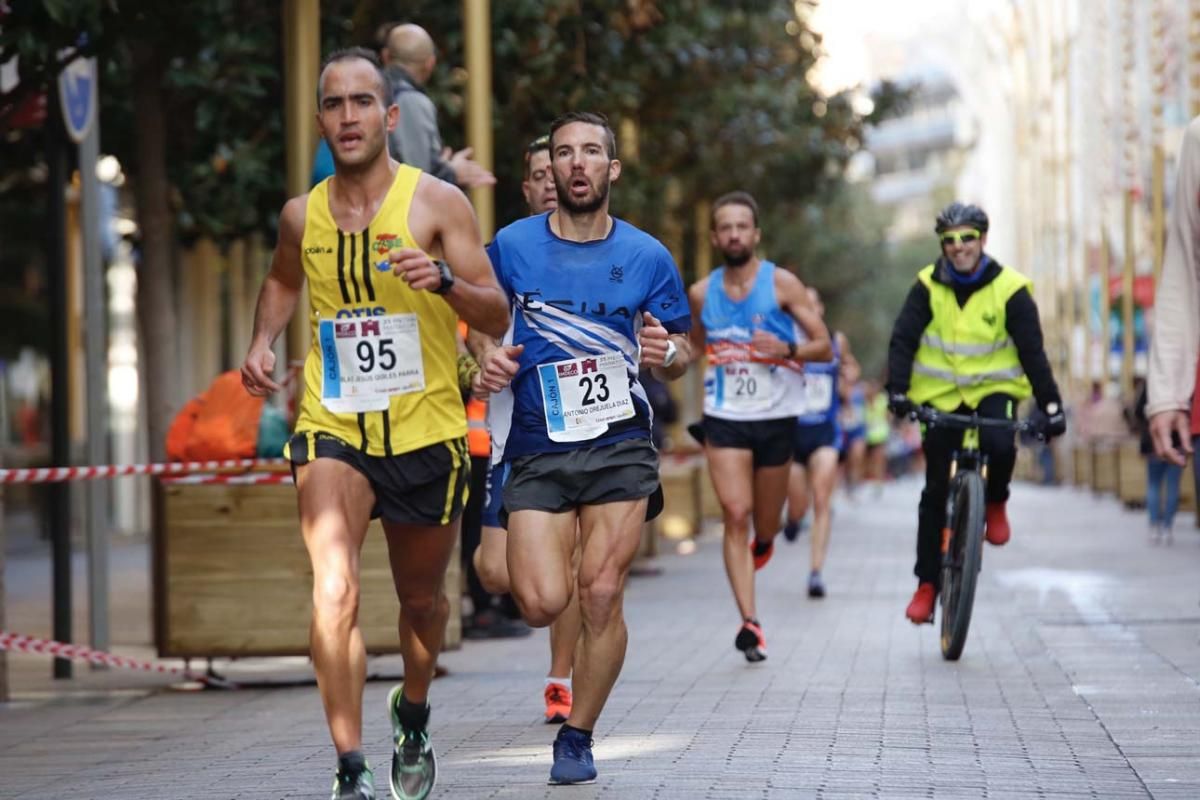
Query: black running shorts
[(770, 440), (809, 439), (588, 476), (423, 487)]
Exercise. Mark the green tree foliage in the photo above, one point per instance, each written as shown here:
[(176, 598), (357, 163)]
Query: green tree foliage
[(719, 92)]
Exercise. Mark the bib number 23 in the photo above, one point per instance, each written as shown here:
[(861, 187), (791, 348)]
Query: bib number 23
[(582, 396)]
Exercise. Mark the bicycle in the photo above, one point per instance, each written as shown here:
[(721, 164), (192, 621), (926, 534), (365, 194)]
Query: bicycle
[(962, 536)]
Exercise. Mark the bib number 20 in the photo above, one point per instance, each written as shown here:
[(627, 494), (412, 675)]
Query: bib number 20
[(745, 387), (381, 355)]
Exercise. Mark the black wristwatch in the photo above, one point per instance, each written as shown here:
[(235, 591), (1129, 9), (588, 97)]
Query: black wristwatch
[(447, 277)]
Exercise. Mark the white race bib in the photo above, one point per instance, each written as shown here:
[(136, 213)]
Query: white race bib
[(746, 387), (818, 392), (582, 395), (367, 360)]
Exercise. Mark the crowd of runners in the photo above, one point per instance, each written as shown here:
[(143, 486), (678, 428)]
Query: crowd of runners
[(563, 310)]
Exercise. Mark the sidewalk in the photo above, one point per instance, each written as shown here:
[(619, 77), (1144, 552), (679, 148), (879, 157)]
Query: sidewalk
[(1079, 679)]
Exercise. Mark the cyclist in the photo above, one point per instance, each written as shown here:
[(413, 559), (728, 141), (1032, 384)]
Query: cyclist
[(968, 339)]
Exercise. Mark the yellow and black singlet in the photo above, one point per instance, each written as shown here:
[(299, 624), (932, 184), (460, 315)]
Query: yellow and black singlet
[(382, 371)]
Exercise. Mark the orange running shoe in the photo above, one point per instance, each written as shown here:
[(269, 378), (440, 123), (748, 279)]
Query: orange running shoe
[(997, 530), (558, 702), (920, 608), (762, 551)]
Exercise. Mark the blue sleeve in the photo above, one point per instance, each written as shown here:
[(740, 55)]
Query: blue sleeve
[(493, 251), (322, 162), (667, 299)]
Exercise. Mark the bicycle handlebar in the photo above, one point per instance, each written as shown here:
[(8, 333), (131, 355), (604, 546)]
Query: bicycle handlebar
[(946, 419)]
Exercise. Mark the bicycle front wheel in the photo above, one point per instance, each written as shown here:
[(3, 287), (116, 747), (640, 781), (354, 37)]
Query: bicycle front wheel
[(960, 564)]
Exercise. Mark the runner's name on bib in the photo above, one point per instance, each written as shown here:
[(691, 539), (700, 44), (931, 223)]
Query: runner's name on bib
[(582, 396), (744, 387), (818, 392), (365, 362)]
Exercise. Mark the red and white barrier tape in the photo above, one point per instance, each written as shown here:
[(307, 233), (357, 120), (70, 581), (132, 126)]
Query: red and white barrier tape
[(59, 474), (19, 643), (241, 479)]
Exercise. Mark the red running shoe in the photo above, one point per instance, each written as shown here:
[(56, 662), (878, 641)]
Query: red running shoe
[(997, 530), (762, 551), (920, 608), (558, 702)]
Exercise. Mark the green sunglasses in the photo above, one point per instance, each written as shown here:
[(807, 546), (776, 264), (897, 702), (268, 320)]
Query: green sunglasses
[(959, 237)]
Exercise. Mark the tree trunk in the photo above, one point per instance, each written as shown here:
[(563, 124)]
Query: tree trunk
[(156, 272)]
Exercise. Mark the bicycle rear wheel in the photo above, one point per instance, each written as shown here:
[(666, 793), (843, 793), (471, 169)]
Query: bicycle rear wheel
[(960, 566)]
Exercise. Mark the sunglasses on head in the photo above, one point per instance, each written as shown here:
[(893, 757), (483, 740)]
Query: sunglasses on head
[(959, 237)]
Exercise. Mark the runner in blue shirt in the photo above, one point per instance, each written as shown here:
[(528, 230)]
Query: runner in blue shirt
[(758, 330), (593, 298)]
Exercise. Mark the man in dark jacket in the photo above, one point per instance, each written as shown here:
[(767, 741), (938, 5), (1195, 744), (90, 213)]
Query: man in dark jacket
[(968, 339), (409, 59)]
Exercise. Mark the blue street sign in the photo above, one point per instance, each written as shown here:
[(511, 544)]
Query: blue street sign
[(77, 95)]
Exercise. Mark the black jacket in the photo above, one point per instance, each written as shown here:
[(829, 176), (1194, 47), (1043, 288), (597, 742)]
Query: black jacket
[(1022, 324)]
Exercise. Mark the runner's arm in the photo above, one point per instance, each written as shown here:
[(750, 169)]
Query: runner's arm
[(277, 300), (696, 293), (850, 370), (280, 291), (793, 297), (476, 296)]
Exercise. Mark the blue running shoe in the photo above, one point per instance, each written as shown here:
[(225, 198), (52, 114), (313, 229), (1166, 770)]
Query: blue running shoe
[(414, 768), (572, 758)]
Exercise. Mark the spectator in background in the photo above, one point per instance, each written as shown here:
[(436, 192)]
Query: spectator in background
[(1172, 406), (409, 59), (1162, 476)]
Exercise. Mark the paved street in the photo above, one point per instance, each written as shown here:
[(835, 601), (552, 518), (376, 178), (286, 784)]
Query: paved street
[(1079, 680)]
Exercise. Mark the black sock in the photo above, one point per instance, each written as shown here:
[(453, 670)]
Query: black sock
[(351, 762), (761, 548), (567, 727), (413, 717)]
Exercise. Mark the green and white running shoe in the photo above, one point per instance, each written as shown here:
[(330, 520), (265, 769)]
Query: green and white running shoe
[(414, 767), (354, 786)]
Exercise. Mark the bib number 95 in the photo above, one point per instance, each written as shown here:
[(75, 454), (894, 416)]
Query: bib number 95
[(381, 354)]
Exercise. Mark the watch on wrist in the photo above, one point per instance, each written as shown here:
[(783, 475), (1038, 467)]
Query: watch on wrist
[(447, 277), (672, 351), (791, 351)]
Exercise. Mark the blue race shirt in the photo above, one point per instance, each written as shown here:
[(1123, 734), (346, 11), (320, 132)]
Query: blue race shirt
[(821, 390), (741, 384), (577, 308)]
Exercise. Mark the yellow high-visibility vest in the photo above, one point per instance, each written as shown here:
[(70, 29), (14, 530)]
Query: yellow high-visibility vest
[(966, 353)]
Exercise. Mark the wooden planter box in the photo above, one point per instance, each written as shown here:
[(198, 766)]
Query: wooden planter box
[(232, 577), (1131, 474), (1081, 461), (1104, 467)]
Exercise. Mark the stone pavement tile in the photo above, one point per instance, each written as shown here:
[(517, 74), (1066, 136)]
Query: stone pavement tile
[(853, 701)]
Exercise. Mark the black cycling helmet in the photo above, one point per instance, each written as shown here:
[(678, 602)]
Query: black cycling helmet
[(957, 214)]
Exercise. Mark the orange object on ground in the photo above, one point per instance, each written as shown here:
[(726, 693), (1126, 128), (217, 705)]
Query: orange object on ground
[(222, 422)]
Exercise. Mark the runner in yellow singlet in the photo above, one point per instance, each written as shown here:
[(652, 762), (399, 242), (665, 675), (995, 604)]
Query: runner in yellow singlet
[(381, 431)]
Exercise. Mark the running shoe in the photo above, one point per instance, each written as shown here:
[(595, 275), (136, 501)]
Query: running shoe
[(414, 768), (751, 642), (558, 703), (792, 530), (354, 786), (920, 608), (997, 531), (816, 586), (762, 551), (573, 762)]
